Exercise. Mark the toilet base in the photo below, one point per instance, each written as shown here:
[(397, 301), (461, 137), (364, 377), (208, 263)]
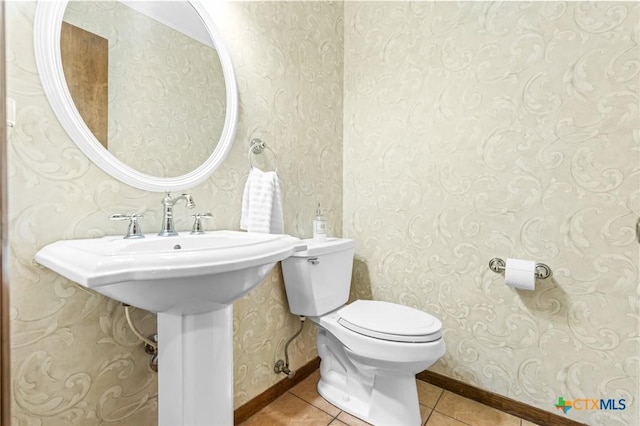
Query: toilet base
[(382, 394), (393, 403)]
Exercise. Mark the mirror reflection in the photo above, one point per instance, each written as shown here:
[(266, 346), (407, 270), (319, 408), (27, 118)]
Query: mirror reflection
[(146, 80)]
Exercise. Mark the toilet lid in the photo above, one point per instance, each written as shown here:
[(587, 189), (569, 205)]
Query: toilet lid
[(390, 321)]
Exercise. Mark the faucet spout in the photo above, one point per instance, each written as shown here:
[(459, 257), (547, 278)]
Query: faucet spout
[(168, 202), (188, 199)]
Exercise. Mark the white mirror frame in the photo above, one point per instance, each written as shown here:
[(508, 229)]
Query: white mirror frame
[(47, 29)]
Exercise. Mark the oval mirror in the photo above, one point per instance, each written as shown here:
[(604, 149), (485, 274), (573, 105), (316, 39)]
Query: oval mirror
[(145, 89)]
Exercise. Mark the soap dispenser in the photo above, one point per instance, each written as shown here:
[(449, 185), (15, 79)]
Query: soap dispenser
[(319, 226)]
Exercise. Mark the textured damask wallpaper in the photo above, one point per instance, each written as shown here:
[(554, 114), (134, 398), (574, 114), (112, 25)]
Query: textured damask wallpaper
[(166, 90), (74, 361), (475, 130), (471, 130)]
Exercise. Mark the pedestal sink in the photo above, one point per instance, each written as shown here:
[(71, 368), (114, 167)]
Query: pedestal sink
[(190, 281)]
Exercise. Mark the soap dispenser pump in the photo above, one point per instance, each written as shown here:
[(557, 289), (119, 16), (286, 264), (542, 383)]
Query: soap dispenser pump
[(319, 226)]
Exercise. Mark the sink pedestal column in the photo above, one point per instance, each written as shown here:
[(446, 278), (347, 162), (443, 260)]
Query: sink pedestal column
[(195, 369)]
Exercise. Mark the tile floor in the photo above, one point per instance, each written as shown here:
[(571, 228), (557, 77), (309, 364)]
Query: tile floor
[(303, 406)]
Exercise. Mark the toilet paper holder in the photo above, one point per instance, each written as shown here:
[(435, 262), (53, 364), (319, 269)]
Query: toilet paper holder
[(498, 265)]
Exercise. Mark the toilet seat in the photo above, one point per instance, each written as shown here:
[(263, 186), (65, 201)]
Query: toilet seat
[(389, 321), (380, 351)]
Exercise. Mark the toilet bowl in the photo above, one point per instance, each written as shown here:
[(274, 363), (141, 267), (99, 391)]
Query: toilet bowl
[(370, 350)]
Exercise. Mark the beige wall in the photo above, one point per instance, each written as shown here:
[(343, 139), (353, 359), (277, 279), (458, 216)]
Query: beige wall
[(472, 130), (475, 130), (73, 358)]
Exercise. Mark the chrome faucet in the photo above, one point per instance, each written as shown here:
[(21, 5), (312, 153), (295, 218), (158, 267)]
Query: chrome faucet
[(168, 202)]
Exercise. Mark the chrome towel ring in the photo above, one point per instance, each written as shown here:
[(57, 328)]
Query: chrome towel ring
[(257, 146)]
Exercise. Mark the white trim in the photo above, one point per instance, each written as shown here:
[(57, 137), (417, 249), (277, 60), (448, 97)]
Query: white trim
[(173, 15), (47, 28)]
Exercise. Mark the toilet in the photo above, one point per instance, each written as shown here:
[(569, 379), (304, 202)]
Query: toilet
[(370, 351)]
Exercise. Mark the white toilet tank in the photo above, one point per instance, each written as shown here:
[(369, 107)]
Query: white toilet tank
[(318, 280)]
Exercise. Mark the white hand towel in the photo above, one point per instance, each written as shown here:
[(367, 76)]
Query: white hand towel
[(261, 203)]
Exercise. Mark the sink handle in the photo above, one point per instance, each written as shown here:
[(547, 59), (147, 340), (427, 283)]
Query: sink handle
[(197, 222), (134, 230)]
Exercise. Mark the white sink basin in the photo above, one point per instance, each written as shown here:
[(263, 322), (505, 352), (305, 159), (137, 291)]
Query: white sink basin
[(186, 274), (191, 281)]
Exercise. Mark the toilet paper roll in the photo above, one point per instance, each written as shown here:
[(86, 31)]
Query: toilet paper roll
[(521, 274)]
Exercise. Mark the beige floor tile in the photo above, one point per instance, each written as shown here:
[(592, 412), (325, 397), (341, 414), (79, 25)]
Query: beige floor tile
[(307, 390), (351, 420), (289, 410), (337, 422), (439, 419), (428, 394), (354, 421), (473, 412), (528, 423), (424, 413)]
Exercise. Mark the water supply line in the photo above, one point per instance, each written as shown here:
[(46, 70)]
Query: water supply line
[(283, 366), (148, 342)]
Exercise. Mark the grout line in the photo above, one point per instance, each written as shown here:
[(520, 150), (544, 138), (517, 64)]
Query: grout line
[(316, 407), (457, 420), (434, 405), (429, 416), (438, 400), (446, 414), (336, 417)]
